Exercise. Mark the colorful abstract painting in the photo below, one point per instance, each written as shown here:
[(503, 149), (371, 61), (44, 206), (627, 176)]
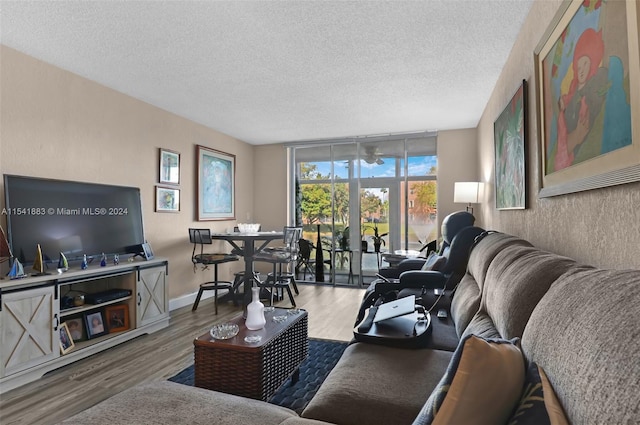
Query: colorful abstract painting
[(587, 73), (510, 154)]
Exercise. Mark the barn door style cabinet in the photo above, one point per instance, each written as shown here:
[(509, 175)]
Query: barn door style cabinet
[(123, 301)]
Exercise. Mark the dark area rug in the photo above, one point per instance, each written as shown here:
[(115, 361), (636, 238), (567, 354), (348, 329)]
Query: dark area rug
[(323, 356)]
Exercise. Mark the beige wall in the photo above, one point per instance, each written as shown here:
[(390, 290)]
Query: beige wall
[(599, 227), (457, 162), (56, 124)]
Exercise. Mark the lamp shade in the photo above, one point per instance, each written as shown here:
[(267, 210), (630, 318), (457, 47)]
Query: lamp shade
[(466, 192)]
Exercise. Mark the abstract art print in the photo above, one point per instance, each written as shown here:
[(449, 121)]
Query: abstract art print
[(216, 184), (509, 131), (587, 71)]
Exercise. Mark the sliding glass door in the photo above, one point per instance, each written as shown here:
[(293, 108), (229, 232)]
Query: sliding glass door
[(360, 198)]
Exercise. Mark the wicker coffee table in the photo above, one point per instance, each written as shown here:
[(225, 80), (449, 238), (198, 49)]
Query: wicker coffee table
[(254, 370)]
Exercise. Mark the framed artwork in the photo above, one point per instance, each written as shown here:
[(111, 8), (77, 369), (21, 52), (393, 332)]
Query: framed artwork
[(76, 329), (588, 88), (167, 199), (94, 322), (66, 342), (117, 317), (169, 167), (508, 135), (216, 184)]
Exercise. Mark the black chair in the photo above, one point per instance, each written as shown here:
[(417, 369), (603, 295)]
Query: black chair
[(200, 238), (451, 225), (305, 262), (458, 240), (280, 279)]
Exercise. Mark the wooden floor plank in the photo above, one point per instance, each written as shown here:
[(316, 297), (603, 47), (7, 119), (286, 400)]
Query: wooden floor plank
[(73, 388)]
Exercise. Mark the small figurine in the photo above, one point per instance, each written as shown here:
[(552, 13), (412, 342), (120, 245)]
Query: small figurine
[(116, 259), (17, 271), (38, 264), (84, 265), (63, 264), (103, 260)]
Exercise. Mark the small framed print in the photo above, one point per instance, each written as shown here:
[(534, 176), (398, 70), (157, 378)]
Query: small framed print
[(95, 324), (169, 167), (76, 329), (66, 342), (167, 199), (117, 318)]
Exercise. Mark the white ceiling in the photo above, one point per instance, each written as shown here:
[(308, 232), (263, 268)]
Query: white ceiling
[(276, 71)]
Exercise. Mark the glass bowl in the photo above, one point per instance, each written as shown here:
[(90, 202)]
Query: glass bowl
[(224, 331)]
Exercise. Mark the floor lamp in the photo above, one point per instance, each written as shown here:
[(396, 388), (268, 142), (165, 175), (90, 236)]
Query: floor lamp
[(466, 192)]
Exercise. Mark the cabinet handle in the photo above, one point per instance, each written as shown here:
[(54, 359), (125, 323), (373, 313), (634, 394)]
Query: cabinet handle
[(139, 298), (57, 321)]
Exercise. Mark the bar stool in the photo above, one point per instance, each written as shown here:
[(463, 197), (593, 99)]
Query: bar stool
[(201, 237), (280, 279)]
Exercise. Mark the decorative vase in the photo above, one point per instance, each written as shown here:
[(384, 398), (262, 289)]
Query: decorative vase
[(255, 312)]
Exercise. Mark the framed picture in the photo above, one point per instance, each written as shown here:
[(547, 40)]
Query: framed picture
[(169, 167), (510, 153), (167, 199), (94, 322), (76, 329), (66, 342), (216, 184), (588, 88), (117, 317)]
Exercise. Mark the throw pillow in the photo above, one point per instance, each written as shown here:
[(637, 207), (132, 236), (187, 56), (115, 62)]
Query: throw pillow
[(482, 384), (538, 404), (434, 262)]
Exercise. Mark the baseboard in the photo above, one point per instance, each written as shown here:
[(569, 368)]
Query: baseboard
[(188, 299)]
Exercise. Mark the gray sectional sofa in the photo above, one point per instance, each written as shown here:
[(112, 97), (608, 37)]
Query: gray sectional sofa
[(580, 324)]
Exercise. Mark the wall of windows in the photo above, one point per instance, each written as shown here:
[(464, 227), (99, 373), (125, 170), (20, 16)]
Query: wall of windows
[(362, 197)]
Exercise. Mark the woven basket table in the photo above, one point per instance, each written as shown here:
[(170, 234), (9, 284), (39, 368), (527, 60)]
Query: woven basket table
[(254, 370)]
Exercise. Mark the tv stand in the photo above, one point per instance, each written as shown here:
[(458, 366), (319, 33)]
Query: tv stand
[(31, 312)]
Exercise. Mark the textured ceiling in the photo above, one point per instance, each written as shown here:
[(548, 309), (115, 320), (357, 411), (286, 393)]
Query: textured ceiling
[(275, 71)]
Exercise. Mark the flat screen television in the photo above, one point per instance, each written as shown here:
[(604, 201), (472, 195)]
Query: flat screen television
[(74, 218)]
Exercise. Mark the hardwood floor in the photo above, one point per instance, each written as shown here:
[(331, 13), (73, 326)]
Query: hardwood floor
[(73, 388)]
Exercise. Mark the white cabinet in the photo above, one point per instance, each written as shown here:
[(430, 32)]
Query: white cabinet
[(153, 296), (31, 310), (28, 329)]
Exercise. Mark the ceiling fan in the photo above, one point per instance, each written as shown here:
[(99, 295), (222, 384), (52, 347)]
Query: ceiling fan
[(372, 156)]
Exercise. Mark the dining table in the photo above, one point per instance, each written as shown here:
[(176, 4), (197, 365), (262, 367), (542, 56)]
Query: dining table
[(248, 245)]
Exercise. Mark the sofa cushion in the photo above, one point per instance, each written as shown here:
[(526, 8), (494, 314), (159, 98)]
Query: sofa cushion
[(482, 326), (375, 384), (516, 280), (484, 252), (584, 333), (481, 386), (164, 402), (538, 403), (465, 303)]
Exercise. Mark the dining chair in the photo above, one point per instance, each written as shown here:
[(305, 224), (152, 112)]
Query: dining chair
[(199, 238), (305, 263), (281, 278)]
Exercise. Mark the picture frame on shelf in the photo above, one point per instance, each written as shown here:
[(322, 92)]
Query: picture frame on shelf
[(167, 199), (510, 155), (94, 321), (587, 71), (66, 342), (117, 317), (215, 184), (76, 329), (169, 167)]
